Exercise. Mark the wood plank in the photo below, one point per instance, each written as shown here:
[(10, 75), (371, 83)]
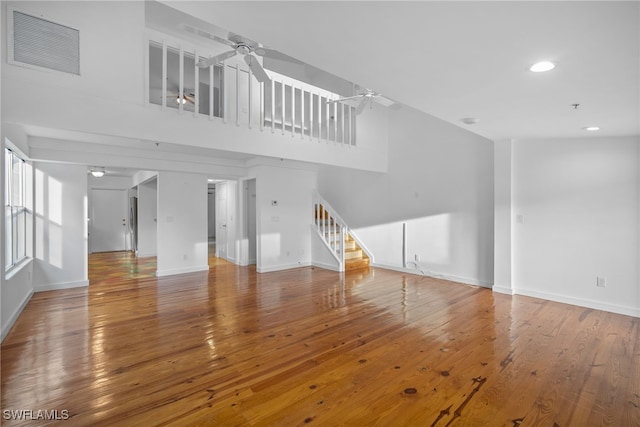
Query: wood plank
[(311, 346)]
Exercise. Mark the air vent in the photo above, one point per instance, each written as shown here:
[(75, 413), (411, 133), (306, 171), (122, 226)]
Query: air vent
[(45, 44)]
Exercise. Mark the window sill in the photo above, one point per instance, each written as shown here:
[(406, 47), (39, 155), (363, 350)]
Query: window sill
[(23, 263)]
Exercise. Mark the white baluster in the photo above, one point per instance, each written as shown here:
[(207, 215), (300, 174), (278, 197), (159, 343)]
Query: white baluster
[(283, 98), (196, 89), (261, 106), (237, 95), (311, 116), (273, 105), (211, 91), (164, 75), (293, 110), (249, 107), (301, 112), (181, 80)]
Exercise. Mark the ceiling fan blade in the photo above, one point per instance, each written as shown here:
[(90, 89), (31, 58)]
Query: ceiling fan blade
[(222, 40), (274, 54), (206, 63), (353, 97), (384, 101), (363, 103), (257, 70)]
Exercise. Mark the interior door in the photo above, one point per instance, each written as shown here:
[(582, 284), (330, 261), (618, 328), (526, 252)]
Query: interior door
[(221, 220), (109, 223)]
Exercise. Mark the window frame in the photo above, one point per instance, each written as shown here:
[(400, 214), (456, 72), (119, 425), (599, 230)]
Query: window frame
[(16, 211)]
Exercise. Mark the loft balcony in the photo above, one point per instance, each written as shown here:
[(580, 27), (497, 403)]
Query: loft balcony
[(142, 97)]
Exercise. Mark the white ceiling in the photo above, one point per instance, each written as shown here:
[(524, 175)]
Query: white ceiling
[(456, 59)]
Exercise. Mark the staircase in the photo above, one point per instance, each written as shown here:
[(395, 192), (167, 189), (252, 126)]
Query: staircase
[(350, 254), (354, 256)]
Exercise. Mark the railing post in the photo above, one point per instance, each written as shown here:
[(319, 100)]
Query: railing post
[(261, 106), (293, 111), (237, 95), (181, 80), (284, 101), (164, 75), (273, 105), (342, 236), (249, 101), (301, 112), (196, 88)]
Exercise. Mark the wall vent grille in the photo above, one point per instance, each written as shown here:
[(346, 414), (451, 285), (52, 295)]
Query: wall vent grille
[(46, 44)]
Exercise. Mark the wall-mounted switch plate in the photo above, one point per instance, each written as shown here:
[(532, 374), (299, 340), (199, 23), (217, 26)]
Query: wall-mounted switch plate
[(601, 282)]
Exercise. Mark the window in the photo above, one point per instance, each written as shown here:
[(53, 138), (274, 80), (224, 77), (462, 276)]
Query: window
[(15, 210)]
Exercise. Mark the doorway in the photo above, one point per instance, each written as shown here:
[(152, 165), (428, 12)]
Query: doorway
[(250, 224), (108, 218)]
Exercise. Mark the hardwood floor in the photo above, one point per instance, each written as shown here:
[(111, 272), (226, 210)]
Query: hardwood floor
[(310, 346)]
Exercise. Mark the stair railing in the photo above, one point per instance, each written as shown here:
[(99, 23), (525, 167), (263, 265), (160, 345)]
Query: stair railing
[(330, 227)]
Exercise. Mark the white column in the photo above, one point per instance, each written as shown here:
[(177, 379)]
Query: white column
[(503, 217)]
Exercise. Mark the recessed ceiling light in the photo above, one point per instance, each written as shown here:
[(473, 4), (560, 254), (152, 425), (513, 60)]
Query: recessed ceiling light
[(542, 66), (591, 128), (469, 120)]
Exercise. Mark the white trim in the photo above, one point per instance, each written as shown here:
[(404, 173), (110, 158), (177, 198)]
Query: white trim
[(282, 267), (14, 316), (457, 279), (146, 255), (327, 266), (580, 302), (502, 290), (60, 286), (184, 270)]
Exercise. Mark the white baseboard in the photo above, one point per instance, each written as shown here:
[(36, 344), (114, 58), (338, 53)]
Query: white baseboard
[(580, 302), (502, 290), (146, 255), (59, 286), (326, 266), (14, 316), (184, 270), (435, 275), (281, 267)]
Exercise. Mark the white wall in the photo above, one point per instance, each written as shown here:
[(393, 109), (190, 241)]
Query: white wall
[(283, 230), (182, 223), (576, 203), (60, 215), (440, 183), (148, 218)]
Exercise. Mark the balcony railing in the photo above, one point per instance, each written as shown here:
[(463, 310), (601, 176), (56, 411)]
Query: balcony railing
[(230, 93)]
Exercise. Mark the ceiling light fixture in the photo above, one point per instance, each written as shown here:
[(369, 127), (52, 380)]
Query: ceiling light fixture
[(542, 66), (591, 128), (97, 172)]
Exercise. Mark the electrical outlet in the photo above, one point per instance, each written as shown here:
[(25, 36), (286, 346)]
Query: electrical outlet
[(601, 282), (416, 257)]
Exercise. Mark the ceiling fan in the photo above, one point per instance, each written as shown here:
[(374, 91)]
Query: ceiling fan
[(186, 97), (248, 48), (368, 97)]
